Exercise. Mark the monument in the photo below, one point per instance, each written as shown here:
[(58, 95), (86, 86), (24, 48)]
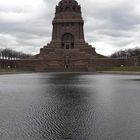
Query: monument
[(68, 49)]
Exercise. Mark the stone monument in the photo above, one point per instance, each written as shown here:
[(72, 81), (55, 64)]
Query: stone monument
[(68, 49)]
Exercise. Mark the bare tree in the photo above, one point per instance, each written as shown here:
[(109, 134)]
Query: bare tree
[(126, 53), (9, 54)]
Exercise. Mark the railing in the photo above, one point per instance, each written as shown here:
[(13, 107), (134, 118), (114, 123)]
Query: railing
[(8, 63)]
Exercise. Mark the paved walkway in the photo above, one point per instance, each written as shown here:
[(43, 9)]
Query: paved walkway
[(119, 72)]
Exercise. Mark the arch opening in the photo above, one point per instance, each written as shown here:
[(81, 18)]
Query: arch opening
[(67, 41)]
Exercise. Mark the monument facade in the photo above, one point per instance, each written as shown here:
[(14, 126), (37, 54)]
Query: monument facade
[(68, 49)]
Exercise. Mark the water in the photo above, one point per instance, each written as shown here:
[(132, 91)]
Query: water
[(66, 106)]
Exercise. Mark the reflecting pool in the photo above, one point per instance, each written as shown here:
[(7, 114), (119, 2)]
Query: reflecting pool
[(69, 106)]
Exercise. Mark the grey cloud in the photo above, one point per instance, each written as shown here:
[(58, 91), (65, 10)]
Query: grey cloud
[(109, 24), (114, 24)]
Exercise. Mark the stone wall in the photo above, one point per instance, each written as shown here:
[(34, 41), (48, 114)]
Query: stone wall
[(113, 62), (38, 65), (43, 65), (135, 61), (109, 62)]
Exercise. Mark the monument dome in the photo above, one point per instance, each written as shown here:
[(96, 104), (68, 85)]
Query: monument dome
[(68, 6)]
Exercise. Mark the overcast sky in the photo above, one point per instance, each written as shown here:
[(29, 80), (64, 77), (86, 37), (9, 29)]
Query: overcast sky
[(110, 25)]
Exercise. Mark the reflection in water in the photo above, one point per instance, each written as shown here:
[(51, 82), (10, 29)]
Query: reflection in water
[(69, 106)]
